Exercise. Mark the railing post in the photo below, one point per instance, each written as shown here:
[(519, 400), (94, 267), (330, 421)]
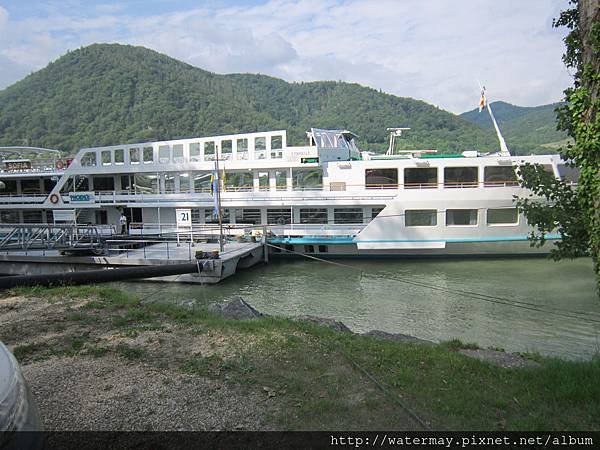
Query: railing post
[(167, 250)]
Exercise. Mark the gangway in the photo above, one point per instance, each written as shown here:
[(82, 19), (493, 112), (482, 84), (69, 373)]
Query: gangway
[(66, 237)]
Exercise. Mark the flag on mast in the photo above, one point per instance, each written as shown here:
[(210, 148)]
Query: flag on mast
[(482, 100)]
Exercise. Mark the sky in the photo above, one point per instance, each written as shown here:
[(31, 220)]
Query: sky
[(432, 50)]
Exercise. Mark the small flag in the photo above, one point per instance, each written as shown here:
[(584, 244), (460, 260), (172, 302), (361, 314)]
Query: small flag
[(214, 190), (482, 100)]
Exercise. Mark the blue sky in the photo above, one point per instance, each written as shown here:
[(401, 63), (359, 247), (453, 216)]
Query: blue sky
[(433, 50)]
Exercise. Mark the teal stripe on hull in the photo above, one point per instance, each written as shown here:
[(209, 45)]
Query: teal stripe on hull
[(318, 240)]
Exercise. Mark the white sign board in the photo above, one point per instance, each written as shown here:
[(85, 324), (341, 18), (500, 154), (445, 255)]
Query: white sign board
[(63, 215), (184, 219)]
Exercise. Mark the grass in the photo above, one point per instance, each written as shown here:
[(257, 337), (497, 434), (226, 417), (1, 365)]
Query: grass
[(314, 378)]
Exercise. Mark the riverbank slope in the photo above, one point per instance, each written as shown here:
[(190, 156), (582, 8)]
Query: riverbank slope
[(101, 359)]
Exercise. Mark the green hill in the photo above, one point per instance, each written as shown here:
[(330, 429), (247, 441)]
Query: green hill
[(110, 94), (526, 129)]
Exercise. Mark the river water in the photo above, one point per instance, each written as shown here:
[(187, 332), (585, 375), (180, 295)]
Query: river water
[(531, 304)]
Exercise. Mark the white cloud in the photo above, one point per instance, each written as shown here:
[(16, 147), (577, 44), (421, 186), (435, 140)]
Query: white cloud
[(432, 50)]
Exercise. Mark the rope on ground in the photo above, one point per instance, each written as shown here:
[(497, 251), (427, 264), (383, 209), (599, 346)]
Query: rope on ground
[(412, 414)]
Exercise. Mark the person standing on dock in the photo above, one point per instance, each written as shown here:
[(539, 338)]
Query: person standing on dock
[(123, 223)]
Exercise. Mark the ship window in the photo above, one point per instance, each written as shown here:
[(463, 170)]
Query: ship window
[(169, 183), (32, 217), (307, 179), (8, 186), (279, 216), (242, 148), (420, 217), (178, 153), (126, 183), (9, 216), (461, 217), (347, 215), (375, 211), (196, 215), (323, 249), (263, 181), (420, 177), (313, 215), (184, 182), (568, 173), (260, 147), (81, 183), (148, 155), (211, 217), (104, 184), (88, 159), (381, 178), (251, 216), (146, 184), (226, 149), (499, 176), (119, 156), (502, 216), (49, 184), (276, 147), (238, 181), (281, 180), (164, 154), (134, 155), (106, 157), (101, 217), (309, 249), (209, 151), (30, 186), (202, 181), (195, 152), (460, 177)]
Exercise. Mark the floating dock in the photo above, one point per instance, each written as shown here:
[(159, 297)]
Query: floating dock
[(235, 256)]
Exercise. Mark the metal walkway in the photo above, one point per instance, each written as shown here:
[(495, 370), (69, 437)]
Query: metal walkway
[(51, 237)]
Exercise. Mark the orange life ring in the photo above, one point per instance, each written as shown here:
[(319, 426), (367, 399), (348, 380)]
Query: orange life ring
[(54, 199), (59, 164)]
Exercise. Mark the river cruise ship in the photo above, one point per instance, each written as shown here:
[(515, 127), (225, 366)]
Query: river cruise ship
[(325, 198)]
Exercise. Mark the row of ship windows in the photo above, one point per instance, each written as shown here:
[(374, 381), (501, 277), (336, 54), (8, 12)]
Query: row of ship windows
[(458, 177), (283, 216), (263, 147)]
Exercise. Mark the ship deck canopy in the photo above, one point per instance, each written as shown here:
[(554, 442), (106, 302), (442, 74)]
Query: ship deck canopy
[(333, 139), (18, 152)]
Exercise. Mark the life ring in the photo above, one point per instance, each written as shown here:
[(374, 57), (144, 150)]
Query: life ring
[(60, 165), (54, 199)]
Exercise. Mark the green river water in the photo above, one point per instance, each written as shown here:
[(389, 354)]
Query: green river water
[(520, 305)]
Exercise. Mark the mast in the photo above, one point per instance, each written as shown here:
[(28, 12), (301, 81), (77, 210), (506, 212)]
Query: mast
[(394, 132), (483, 104), (218, 194)]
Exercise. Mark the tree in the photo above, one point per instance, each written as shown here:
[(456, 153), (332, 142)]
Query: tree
[(574, 212)]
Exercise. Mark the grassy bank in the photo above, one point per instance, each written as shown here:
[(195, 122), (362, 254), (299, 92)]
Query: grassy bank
[(310, 377)]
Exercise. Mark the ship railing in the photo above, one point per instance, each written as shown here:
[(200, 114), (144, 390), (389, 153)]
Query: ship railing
[(43, 236), (22, 198)]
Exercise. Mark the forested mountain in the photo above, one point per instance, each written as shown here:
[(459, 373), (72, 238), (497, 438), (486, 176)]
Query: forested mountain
[(110, 94), (525, 129)]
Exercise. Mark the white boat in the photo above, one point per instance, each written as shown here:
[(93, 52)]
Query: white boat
[(325, 198)]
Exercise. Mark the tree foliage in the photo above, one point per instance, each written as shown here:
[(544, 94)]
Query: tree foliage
[(111, 94), (575, 212)]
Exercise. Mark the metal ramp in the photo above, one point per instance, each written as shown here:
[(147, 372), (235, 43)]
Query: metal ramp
[(66, 237)]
